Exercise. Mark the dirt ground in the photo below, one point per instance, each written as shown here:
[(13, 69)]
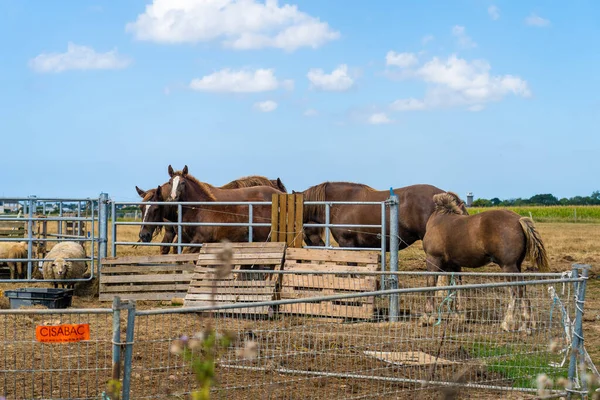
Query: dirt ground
[(158, 374)]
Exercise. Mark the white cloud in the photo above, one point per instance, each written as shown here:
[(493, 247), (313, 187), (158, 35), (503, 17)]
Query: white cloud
[(456, 82), (78, 58), (379, 119), (338, 81), (463, 39), (426, 39), (408, 105), (242, 81), (535, 20), (239, 24), (494, 12), (311, 113), (402, 60), (265, 106)]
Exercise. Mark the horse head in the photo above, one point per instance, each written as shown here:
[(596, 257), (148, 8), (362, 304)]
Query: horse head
[(178, 183), (449, 203), (151, 213)]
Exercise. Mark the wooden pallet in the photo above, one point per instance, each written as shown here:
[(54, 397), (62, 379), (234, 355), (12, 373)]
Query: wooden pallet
[(162, 277), (13, 229), (296, 286), (236, 287)]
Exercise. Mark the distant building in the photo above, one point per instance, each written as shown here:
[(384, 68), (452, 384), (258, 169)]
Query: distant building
[(469, 199), (9, 207)]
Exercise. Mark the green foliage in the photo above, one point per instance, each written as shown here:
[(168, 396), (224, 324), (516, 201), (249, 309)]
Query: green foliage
[(201, 351), (552, 213), (541, 200)]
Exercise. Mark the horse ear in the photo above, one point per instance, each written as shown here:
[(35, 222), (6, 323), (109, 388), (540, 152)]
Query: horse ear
[(293, 191), (185, 171), (171, 172), (158, 193), (141, 192)]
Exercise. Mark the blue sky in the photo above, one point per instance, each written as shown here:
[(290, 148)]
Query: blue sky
[(499, 98)]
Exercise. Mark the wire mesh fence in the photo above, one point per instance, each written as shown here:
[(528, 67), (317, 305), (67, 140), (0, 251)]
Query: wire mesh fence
[(35, 370), (314, 343), (299, 353)]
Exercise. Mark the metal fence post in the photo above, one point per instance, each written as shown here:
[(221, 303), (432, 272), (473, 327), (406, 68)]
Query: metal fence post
[(327, 229), (179, 228), (113, 215), (129, 335), (116, 339), (32, 209), (394, 248), (102, 229), (250, 220), (577, 345), (383, 243)]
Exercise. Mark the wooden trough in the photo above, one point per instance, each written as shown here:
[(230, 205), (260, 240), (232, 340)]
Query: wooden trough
[(236, 287)]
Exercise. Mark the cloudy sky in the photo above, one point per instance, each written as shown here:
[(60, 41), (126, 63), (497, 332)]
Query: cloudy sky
[(499, 98)]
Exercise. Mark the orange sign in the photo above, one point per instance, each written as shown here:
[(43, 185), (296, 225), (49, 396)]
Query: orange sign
[(62, 333)]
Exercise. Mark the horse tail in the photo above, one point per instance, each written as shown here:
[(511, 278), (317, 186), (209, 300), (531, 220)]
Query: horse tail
[(536, 251)]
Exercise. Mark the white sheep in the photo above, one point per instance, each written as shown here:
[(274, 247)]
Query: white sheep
[(59, 267), (14, 250)]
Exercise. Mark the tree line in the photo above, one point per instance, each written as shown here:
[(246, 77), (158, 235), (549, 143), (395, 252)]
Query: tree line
[(541, 200)]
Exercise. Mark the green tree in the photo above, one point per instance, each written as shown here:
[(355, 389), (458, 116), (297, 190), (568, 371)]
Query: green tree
[(544, 199), (482, 203)]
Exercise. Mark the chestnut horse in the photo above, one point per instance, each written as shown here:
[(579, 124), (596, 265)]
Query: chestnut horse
[(186, 188), (415, 207), (455, 239), (170, 212)]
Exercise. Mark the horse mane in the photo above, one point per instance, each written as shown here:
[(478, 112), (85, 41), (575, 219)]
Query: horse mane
[(248, 181), (205, 187), (447, 203), (317, 193)]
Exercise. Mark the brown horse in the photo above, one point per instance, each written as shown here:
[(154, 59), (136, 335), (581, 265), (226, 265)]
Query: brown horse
[(186, 188), (170, 212), (415, 207), (454, 240)]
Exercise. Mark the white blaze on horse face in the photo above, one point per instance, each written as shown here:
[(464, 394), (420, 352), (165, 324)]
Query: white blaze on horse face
[(174, 187), (146, 208)]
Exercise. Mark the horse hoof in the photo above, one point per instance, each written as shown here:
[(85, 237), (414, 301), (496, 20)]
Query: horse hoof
[(459, 317), (426, 320)]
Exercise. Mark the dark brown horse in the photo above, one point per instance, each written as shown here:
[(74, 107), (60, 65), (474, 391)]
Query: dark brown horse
[(454, 240), (186, 188), (170, 211), (415, 207)]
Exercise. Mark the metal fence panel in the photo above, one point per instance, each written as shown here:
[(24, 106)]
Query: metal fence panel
[(299, 355)]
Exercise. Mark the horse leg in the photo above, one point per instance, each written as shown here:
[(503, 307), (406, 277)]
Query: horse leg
[(168, 238), (434, 264), (510, 322)]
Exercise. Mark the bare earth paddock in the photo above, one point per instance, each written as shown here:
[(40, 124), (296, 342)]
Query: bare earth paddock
[(301, 357)]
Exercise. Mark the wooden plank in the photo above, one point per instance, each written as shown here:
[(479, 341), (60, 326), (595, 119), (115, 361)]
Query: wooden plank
[(237, 257), (13, 224), (172, 287), (164, 296), (275, 218), (131, 269), (290, 220), (299, 222), (241, 246), (330, 282), (327, 309), (230, 298), (149, 259), (233, 291), (146, 278), (325, 268), (306, 294), (282, 218), (231, 284), (362, 256)]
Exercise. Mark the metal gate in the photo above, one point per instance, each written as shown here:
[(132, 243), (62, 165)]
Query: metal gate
[(42, 222)]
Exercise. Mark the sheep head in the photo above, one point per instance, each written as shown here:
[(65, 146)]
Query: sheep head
[(60, 267)]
